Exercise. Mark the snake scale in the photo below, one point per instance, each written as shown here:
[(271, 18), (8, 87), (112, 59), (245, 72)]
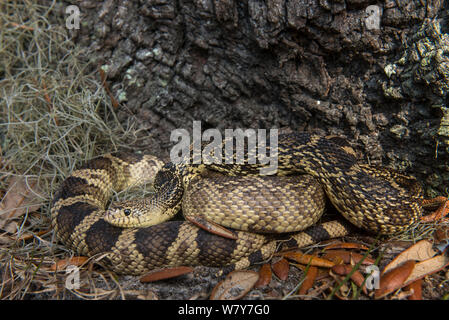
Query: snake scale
[(376, 199)]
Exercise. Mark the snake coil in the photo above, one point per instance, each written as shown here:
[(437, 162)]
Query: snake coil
[(376, 199)]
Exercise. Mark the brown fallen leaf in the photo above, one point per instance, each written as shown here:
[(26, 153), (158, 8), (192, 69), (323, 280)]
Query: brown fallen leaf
[(307, 258), (308, 281), (322, 273), (441, 211), (264, 276), (416, 286), (324, 285), (341, 297), (236, 285), (427, 267), (165, 273), (335, 258), (394, 279), (357, 277), (281, 269), (441, 233), (346, 245), (343, 289), (433, 203), (22, 195), (422, 250), (63, 263), (347, 257)]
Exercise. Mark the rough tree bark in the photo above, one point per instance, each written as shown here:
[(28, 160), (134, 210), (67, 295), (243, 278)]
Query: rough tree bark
[(314, 65)]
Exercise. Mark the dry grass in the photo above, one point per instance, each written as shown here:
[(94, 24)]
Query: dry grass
[(54, 114)]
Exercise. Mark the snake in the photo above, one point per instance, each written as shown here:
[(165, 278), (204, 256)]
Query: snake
[(136, 237)]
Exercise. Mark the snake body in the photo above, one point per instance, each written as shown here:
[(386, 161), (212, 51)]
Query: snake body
[(284, 204), (379, 200)]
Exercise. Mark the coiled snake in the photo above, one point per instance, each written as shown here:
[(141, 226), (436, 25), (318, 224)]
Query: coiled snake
[(376, 199)]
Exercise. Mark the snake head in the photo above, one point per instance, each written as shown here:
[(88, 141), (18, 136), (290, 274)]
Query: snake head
[(128, 214)]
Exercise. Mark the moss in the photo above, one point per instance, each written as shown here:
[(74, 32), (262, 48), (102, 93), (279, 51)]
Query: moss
[(426, 61)]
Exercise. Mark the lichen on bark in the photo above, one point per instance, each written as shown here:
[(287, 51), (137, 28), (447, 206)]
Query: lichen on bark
[(312, 65)]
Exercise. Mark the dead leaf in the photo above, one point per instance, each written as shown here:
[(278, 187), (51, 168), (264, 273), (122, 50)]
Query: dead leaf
[(422, 250), (308, 281), (307, 258), (165, 273), (416, 286), (28, 236), (441, 233), (342, 269), (103, 77), (357, 277), (346, 245), (64, 263), (394, 279), (433, 203), (322, 273), (281, 269), (23, 194), (21, 26), (347, 257), (212, 227), (335, 258), (236, 285), (47, 98), (264, 276), (441, 211)]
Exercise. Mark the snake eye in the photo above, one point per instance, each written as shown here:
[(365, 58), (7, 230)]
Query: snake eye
[(127, 212)]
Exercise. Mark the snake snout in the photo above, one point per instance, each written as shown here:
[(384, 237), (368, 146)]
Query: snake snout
[(118, 216), (128, 214)]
